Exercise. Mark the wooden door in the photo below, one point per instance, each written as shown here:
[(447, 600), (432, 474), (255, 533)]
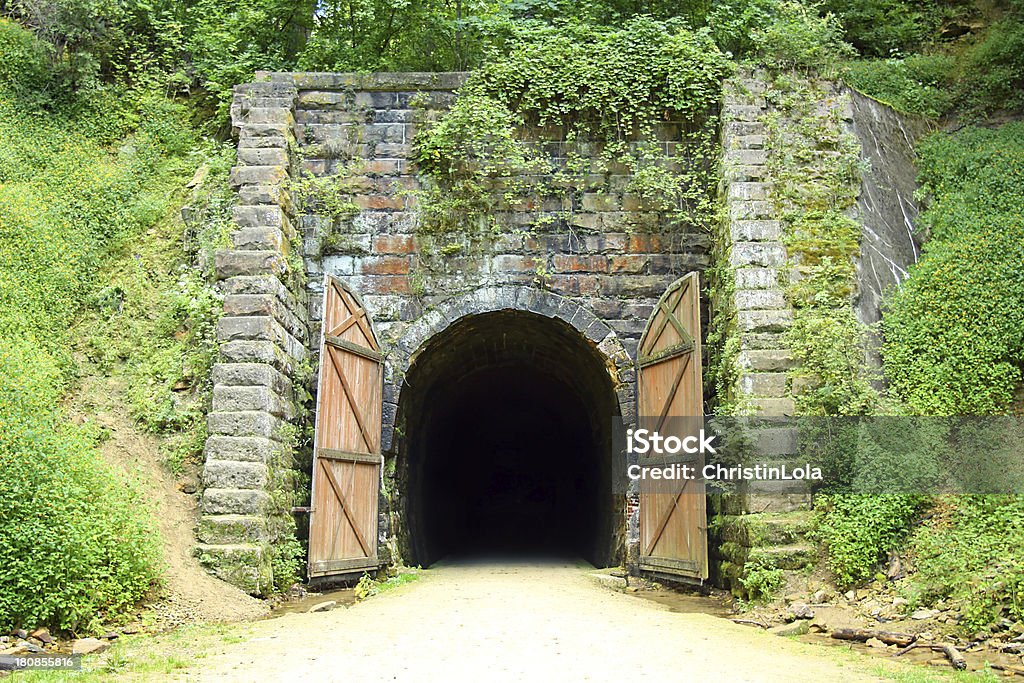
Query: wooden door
[(673, 516), (346, 448)]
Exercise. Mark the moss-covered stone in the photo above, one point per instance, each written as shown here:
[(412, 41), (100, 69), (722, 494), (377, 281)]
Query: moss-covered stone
[(246, 565)]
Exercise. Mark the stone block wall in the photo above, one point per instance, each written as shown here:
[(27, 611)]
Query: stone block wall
[(597, 257), (248, 476)]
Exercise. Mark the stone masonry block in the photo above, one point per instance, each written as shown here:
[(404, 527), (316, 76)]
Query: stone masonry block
[(229, 399), (748, 191), (260, 216), (258, 175), (230, 529), (765, 360), (770, 384), (765, 321), (262, 156), (756, 278), (752, 299), (242, 448), (229, 474), (245, 423), (218, 501), (232, 262), (765, 254), (245, 565), (756, 231)]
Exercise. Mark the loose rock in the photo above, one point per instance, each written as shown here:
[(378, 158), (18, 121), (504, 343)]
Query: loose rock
[(324, 606), (43, 635), (89, 646), (801, 610), (797, 628)]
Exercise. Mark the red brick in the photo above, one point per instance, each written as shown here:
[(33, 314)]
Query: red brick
[(630, 263), (384, 166), (511, 263), (645, 244), (394, 244), (379, 201), (572, 263), (386, 284), (383, 265), (575, 285)]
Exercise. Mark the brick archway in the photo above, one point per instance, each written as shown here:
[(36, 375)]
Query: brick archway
[(447, 312)]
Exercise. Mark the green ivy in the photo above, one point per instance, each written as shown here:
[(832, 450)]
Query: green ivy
[(599, 90), (954, 330)]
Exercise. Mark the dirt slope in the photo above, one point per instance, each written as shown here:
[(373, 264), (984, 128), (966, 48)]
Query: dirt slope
[(190, 594)]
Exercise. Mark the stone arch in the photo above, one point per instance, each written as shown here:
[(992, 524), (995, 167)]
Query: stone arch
[(447, 312)]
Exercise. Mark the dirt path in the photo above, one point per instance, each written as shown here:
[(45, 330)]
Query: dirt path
[(515, 623)]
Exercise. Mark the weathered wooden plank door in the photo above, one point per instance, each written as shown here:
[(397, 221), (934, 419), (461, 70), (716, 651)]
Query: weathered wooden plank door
[(346, 448), (673, 516)]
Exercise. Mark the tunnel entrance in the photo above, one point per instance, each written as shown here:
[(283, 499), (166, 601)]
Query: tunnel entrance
[(506, 443)]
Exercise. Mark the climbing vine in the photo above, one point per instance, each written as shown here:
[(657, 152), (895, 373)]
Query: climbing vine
[(605, 101)]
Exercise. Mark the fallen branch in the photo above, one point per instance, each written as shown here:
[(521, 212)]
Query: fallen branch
[(907, 649), (953, 655), (861, 635), (1009, 669), (749, 622)]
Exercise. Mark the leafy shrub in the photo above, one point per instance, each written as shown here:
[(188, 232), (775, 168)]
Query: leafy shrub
[(602, 86), (761, 580), (798, 37), (917, 84), (25, 63), (78, 539), (883, 28), (969, 551), (954, 331), (858, 530), (993, 69)]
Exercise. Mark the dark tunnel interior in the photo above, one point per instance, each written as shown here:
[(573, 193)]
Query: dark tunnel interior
[(507, 420)]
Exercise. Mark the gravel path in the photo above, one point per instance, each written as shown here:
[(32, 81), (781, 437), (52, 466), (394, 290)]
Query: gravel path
[(514, 623)]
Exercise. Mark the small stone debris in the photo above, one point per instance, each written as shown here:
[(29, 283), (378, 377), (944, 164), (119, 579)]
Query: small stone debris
[(801, 610), (326, 606), (875, 642), (20, 633), (922, 614), (89, 646), (43, 636)]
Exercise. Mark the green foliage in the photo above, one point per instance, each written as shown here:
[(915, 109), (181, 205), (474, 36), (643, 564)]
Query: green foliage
[(287, 560), (368, 586), (969, 551), (762, 580), (858, 529), (25, 63), (977, 76), (916, 84), (954, 331), (796, 36), (992, 76), (78, 541), (816, 169), (77, 537), (603, 88), (884, 28), (227, 41)]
